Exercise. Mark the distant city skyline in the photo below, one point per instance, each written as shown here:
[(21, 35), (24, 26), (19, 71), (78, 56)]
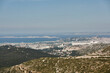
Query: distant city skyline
[(52, 16)]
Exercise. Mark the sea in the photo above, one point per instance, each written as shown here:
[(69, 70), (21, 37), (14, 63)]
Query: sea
[(25, 40), (32, 40)]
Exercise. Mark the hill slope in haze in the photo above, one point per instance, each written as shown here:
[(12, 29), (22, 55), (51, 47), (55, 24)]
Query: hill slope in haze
[(102, 52), (10, 55)]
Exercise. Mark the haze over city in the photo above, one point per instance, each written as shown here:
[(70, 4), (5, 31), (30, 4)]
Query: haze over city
[(50, 16)]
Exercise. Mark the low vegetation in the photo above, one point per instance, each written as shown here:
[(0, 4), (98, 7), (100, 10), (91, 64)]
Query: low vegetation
[(62, 65), (10, 55)]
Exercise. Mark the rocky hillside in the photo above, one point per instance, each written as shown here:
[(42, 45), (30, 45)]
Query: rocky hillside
[(61, 65), (103, 52), (89, 49), (100, 64), (10, 55), (75, 50)]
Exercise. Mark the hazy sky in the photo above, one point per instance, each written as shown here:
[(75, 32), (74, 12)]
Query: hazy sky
[(42, 16)]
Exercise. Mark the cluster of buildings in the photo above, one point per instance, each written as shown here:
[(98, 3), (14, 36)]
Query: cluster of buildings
[(60, 44)]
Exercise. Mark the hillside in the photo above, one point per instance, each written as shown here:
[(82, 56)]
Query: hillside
[(75, 50), (61, 65), (10, 55), (102, 52), (47, 64), (92, 48)]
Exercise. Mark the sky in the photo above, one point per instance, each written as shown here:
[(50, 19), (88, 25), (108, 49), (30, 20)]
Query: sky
[(53, 16)]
